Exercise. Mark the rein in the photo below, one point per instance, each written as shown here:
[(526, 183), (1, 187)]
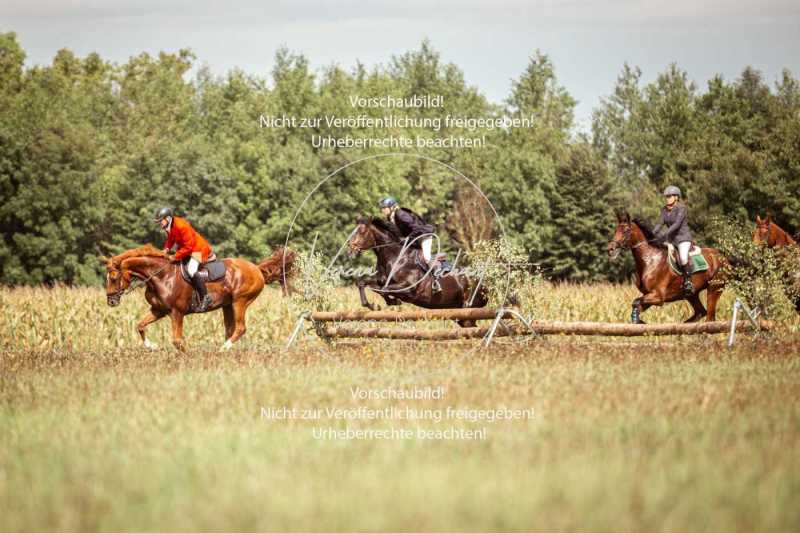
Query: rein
[(139, 282)]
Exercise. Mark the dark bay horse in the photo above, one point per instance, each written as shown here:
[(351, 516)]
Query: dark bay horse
[(654, 277), (401, 279), (768, 233), (169, 294)]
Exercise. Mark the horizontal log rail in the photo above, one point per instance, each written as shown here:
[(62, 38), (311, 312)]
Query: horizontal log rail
[(483, 313), (543, 328)]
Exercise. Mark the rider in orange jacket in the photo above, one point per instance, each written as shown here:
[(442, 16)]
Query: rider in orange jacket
[(192, 248)]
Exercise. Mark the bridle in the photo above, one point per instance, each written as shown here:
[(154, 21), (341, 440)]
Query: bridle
[(376, 246), (626, 241)]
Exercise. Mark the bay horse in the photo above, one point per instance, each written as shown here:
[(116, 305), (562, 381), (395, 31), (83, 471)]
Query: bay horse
[(170, 295), (768, 233), (654, 277), (401, 279)]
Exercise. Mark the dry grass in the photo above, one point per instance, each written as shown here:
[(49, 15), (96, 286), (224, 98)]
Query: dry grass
[(676, 435)]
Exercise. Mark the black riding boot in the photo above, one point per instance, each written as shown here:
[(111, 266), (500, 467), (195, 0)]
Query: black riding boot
[(688, 288), (204, 300)]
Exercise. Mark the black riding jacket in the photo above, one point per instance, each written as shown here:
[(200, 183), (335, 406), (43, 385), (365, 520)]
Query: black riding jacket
[(411, 225), (676, 222)]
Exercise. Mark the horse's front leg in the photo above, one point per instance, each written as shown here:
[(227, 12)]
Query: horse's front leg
[(177, 330), (148, 319), (362, 286), (637, 308), (390, 300)]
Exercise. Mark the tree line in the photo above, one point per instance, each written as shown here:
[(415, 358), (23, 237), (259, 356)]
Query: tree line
[(89, 148)]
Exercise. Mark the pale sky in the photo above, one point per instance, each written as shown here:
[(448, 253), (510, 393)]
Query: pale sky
[(490, 41)]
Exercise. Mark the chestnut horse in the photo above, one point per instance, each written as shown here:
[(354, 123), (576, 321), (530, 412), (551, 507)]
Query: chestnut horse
[(169, 294), (768, 233), (401, 279), (654, 277)]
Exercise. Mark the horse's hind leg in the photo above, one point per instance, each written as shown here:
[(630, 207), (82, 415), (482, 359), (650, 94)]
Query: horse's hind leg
[(713, 298), (177, 330), (239, 309), (697, 306)]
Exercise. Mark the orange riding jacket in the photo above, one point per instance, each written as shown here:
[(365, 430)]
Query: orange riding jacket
[(188, 240)]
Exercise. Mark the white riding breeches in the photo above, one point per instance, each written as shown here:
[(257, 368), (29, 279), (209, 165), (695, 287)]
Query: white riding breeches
[(683, 251), (191, 266), (427, 244)]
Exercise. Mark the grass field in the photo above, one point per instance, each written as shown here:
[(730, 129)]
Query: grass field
[(673, 434)]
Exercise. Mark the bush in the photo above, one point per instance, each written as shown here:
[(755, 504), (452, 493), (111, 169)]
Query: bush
[(764, 277)]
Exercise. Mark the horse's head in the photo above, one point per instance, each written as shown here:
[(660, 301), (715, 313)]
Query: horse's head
[(117, 280), (763, 231), (622, 235), (363, 237), (371, 233), (138, 262)]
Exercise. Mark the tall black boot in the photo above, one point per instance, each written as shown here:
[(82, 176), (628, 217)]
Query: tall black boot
[(204, 300), (688, 288)]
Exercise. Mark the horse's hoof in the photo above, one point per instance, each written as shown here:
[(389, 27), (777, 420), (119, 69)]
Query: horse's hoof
[(150, 345), (227, 346)]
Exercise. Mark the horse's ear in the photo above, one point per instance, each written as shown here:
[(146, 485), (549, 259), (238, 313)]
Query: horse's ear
[(758, 218), (768, 220), (103, 259), (627, 217)]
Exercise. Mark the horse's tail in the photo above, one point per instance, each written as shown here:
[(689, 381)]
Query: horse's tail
[(279, 266)]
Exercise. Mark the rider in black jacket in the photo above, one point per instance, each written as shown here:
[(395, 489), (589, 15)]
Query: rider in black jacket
[(418, 233)]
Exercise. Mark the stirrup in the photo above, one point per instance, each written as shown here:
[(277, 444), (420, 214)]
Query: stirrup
[(435, 285)]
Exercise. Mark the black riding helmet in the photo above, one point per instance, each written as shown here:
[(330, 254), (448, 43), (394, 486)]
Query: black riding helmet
[(163, 212)]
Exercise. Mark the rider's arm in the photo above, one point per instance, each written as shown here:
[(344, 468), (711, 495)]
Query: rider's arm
[(417, 229), (170, 242), (187, 242)]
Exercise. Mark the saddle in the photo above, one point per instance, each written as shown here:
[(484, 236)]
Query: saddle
[(697, 262), (212, 270)]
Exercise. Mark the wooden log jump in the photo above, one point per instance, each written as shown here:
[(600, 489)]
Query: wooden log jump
[(330, 326), (402, 316), (543, 328)]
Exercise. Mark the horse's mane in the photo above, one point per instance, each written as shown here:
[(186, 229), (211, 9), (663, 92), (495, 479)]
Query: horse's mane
[(148, 250), (383, 225), (645, 226)]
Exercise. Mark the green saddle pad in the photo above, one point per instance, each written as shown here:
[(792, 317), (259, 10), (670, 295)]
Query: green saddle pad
[(696, 259)]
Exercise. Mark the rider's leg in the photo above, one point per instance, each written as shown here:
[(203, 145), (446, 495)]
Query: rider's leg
[(683, 259), (427, 245), (192, 266)]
